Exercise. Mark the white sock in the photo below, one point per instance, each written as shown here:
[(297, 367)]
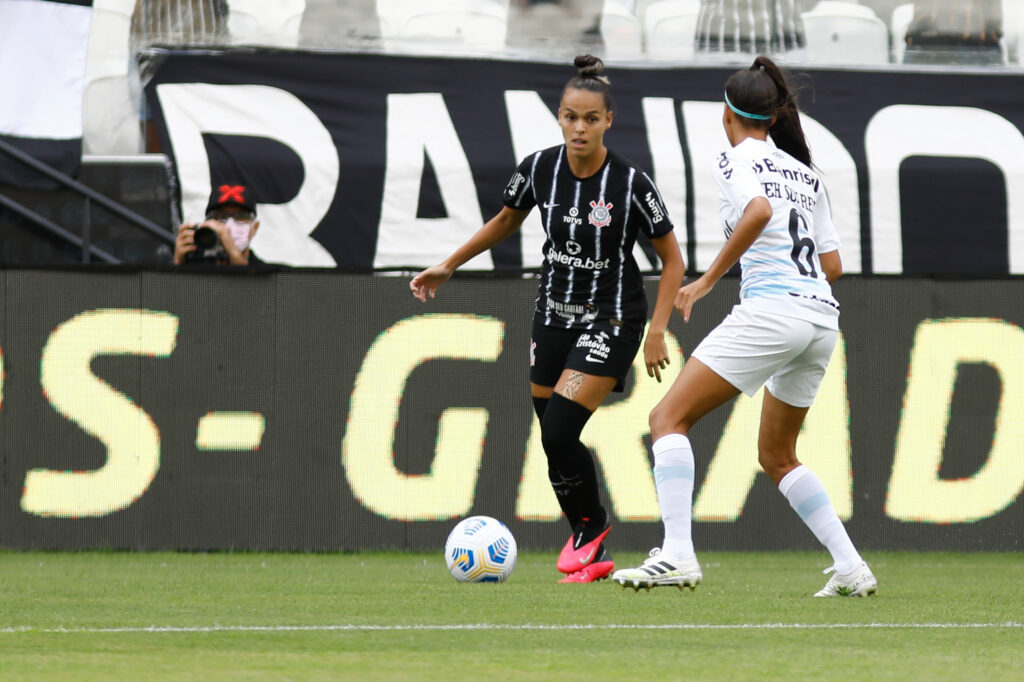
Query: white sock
[(807, 496), (673, 476)]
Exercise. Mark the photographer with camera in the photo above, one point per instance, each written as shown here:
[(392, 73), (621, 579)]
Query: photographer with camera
[(223, 237)]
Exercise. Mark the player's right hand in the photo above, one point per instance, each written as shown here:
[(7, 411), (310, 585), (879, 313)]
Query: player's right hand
[(690, 294), (428, 281)]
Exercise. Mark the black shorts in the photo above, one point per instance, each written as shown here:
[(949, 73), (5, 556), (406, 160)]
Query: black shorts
[(598, 351)]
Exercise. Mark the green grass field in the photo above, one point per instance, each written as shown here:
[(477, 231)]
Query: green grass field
[(110, 615)]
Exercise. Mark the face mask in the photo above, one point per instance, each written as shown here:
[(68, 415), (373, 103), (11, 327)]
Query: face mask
[(239, 233)]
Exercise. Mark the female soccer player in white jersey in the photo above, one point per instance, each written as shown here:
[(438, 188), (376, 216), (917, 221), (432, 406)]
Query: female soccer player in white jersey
[(591, 308), (778, 225)]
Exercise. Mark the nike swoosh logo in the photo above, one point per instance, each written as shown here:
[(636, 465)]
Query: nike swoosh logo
[(549, 205), (591, 358), (584, 560)]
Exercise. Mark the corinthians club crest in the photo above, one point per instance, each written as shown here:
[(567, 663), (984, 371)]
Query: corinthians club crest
[(600, 213)]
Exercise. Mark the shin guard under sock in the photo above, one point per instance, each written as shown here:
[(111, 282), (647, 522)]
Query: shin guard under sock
[(570, 465), (807, 496)]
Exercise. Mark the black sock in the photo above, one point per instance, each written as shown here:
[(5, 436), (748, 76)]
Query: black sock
[(571, 467), (568, 499), (590, 527), (602, 554)]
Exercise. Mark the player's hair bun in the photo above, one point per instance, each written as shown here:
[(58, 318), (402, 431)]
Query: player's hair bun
[(589, 66)]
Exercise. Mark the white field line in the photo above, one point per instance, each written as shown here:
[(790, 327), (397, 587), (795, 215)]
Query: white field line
[(507, 626)]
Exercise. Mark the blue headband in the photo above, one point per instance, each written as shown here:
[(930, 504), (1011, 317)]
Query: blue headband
[(740, 112)]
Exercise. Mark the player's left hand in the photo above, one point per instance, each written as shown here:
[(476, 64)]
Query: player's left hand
[(655, 354)]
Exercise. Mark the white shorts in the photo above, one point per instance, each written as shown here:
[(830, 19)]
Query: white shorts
[(752, 348)]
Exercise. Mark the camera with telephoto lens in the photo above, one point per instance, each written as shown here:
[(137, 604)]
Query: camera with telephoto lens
[(208, 246)]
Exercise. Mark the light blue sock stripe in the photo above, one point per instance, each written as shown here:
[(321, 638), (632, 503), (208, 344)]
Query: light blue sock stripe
[(664, 473), (812, 504)]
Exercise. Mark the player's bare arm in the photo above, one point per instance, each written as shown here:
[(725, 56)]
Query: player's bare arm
[(755, 216), (672, 270), (831, 265), (494, 231)]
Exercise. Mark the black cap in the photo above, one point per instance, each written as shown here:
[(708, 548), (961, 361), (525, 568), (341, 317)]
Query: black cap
[(232, 195)]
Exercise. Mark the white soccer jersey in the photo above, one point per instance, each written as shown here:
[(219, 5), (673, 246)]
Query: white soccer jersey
[(781, 270)]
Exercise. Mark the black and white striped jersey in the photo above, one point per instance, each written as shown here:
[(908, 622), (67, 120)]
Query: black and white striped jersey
[(589, 273)]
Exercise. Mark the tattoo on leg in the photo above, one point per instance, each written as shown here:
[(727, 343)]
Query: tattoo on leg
[(573, 384)]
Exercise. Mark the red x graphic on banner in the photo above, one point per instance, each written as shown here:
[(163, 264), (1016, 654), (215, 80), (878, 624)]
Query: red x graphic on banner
[(231, 193)]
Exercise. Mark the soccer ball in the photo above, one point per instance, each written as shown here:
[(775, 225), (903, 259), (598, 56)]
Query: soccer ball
[(480, 550)]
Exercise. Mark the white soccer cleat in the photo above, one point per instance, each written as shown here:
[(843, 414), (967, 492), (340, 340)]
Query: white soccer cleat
[(660, 570), (860, 583)]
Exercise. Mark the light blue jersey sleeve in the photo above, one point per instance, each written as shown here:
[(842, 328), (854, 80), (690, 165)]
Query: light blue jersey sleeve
[(738, 185)]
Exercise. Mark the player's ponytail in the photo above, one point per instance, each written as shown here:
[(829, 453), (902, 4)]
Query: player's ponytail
[(761, 93), (590, 76)]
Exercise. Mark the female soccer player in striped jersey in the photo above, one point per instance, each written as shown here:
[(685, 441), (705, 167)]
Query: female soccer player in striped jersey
[(591, 308), (778, 225)]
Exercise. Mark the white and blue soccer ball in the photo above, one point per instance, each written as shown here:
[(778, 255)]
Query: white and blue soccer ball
[(480, 549)]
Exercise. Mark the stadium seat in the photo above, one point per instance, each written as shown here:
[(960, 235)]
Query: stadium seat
[(265, 22), (620, 30), (959, 51), (841, 32), (392, 15), (110, 108), (669, 28), (477, 23), (1013, 31), (901, 17), (640, 7)]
